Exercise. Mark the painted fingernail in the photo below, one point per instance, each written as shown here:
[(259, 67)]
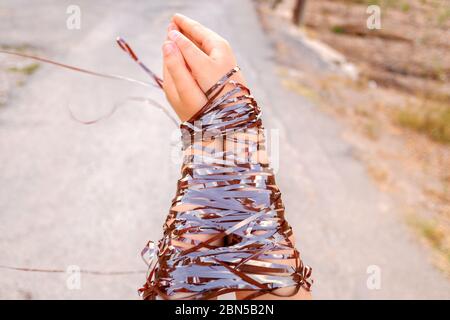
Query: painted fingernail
[(168, 48), (174, 35)]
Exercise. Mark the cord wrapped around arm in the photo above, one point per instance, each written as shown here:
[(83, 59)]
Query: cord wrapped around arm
[(226, 229)]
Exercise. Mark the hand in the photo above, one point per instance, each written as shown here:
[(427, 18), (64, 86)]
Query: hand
[(195, 58)]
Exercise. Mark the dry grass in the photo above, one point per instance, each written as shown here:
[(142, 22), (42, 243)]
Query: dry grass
[(26, 70), (14, 70), (435, 235), (432, 119)]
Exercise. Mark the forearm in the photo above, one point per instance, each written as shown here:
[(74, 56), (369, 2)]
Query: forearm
[(226, 229)]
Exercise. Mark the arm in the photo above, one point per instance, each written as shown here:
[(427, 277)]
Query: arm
[(226, 229)]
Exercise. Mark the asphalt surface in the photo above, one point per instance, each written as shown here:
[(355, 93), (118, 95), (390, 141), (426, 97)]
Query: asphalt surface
[(92, 196)]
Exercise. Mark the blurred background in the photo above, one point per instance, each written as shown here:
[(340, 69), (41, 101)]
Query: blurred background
[(357, 91)]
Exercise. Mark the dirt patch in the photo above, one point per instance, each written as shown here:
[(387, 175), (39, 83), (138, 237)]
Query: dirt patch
[(408, 52)]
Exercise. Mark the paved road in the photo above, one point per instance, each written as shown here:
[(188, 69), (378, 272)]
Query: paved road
[(91, 196)]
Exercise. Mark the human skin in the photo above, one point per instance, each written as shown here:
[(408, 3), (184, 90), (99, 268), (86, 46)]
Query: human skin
[(195, 57)]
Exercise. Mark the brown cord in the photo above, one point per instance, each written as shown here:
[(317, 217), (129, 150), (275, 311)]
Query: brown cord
[(228, 195)]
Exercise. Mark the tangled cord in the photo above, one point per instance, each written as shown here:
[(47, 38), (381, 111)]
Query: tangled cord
[(225, 231)]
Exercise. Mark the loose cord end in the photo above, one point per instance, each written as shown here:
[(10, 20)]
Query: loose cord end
[(126, 47)]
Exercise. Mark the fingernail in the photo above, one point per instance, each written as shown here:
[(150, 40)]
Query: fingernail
[(174, 35), (168, 48), (179, 15)]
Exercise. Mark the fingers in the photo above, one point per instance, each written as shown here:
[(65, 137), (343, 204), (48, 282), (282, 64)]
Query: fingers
[(187, 89), (189, 68), (172, 26), (191, 37), (209, 41), (169, 86), (170, 90), (194, 57)]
